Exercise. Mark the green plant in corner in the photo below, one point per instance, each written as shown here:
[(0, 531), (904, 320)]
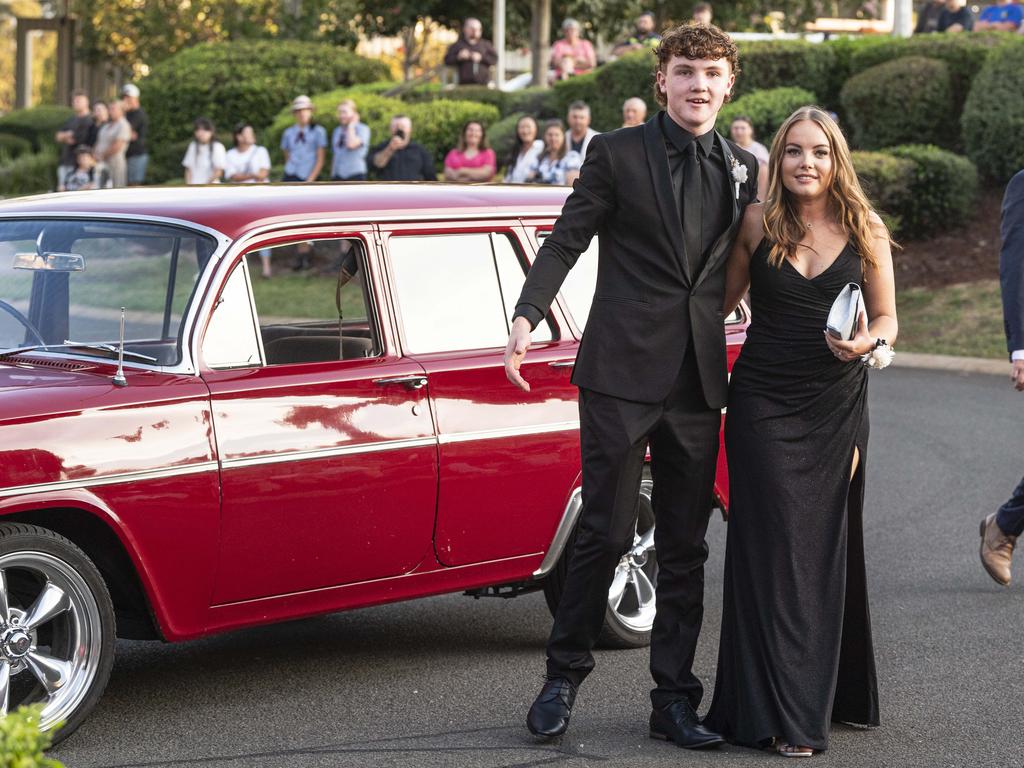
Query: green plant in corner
[(22, 744)]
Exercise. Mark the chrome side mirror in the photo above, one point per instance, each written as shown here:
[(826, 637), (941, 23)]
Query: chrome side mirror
[(50, 262)]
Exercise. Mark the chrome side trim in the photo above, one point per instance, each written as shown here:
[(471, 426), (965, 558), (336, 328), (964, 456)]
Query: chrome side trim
[(328, 453), (569, 518), (494, 434), (121, 477)]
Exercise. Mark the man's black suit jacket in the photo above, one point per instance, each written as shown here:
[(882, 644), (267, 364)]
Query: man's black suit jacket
[(1011, 262), (647, 307)]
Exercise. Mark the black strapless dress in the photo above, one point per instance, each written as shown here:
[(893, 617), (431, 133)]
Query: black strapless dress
[(795, 651)]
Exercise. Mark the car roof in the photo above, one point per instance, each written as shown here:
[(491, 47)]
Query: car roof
[(234, 209)]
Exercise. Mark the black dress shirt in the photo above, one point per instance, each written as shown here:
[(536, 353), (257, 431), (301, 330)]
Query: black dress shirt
[(715, 180), (411, 163)]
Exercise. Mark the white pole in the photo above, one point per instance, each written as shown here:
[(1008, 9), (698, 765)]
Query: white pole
[(499, 41), (902, 26)]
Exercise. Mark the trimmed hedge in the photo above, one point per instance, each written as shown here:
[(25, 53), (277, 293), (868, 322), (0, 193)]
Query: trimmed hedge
[(29, 174), (244, 80), (909, 99), (784, 63), (766, 109), (606, 88), (943, 189), (919, 190), (993, 117), (36, 125), (435, 124), (12, 146)]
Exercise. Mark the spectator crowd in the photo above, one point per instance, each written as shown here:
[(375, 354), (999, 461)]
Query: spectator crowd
[(957, 16)]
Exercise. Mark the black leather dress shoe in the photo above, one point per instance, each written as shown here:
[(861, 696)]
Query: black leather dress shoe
[(549, 715), (679, 723)]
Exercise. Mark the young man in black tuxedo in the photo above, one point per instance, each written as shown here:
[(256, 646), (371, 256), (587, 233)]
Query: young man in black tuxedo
[(666, 199)]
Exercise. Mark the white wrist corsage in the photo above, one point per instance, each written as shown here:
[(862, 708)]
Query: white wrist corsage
[(739, 175), (879, 357)]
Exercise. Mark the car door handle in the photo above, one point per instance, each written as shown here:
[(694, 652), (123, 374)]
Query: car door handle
[(412, 382), (563, 364)]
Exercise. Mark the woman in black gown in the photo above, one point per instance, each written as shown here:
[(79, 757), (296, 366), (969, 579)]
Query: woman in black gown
[(795, 650)]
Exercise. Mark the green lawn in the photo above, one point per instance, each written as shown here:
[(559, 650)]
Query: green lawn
[(964, 319)]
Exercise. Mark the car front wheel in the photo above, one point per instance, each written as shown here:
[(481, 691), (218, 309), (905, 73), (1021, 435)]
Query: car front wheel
[(56, 627), (629, 614)]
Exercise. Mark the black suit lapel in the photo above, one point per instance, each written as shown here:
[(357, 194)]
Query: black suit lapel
[(721, 246), (668, 203)]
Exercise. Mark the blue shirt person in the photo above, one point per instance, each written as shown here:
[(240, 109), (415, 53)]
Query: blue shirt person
[(350, 143), (1007, 15), (304, 144)]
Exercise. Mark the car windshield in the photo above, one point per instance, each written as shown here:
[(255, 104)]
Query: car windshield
[(63, 284)]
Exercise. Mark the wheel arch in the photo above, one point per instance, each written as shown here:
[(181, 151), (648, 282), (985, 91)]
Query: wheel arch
[(96, 531)]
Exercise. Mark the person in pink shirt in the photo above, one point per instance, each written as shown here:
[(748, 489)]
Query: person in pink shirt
[(472, 159), (572, 46)]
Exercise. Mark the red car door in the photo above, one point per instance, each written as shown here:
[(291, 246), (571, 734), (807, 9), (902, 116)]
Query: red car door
[(508, 459), (327, 448)]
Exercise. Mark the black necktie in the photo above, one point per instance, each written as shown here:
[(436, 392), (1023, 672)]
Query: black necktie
[(692, 209)]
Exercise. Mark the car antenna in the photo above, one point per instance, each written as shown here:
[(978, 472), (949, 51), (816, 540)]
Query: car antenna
[(119, 379)]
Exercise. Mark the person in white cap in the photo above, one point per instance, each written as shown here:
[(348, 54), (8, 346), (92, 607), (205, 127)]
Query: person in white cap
[(137, 156), (304, 144)]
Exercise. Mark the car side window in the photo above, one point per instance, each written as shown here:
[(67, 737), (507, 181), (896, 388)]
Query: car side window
[(312, 302), (580, 283), (456, 291), (231, 337)]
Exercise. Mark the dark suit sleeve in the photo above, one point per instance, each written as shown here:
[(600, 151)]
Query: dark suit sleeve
[(754, 168), (1011, 262), (592, 199)]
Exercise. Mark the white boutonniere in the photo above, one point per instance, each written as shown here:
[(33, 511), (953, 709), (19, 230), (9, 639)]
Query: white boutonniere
[(739, 175)]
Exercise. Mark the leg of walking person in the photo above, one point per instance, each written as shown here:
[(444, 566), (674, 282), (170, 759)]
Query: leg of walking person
[(1010, 517), (684, 453), (613, 442)]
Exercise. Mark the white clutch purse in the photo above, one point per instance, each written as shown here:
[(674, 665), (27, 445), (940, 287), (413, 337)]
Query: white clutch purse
[(845, 312)]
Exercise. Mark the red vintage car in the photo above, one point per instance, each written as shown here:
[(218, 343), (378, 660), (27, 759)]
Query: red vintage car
[(230, 406)]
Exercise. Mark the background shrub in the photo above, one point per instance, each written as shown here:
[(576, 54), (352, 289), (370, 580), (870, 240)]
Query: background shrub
[(12, 146), (905, 100), (887, 181), (993, 117), (784, 63), (243, 80), (584, 88), (767, 110), (36, 125), (29, 174), (943, 190)]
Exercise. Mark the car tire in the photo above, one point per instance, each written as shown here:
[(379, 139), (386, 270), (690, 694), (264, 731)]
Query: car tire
[(58, 634), (629, 614)]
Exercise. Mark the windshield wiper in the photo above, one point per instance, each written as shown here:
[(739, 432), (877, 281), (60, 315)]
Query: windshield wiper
[(29, 348), (108, 348)]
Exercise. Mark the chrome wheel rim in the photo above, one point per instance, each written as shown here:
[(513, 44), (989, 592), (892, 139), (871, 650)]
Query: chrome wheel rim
[(50, 635), (631, 596)]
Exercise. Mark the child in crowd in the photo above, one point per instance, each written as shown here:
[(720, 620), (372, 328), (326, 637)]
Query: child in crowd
[(84, 174), (304, 144), (205, 157)]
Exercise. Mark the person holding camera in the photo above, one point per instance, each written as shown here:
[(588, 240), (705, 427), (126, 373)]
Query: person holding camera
[(401, 159)]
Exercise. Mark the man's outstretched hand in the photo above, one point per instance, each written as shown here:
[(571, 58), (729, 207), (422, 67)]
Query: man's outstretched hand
[(1016, 375), (515, 352)]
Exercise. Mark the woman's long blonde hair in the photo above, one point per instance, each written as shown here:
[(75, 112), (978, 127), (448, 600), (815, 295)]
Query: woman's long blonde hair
[(846, 199)]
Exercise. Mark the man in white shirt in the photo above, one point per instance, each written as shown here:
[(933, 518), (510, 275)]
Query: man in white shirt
[(578, 139), (999, 531)]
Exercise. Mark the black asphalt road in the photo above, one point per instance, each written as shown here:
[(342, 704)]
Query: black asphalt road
[(446, 681)]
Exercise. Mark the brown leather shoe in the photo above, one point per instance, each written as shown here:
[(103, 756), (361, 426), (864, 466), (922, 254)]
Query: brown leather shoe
[(996, 550)]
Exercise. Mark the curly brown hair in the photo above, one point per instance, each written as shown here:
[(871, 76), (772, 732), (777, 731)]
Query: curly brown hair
[(695, 41)]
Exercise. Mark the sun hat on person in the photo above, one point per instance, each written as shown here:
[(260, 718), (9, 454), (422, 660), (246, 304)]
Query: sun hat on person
[(302, 102), (131, 90)]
